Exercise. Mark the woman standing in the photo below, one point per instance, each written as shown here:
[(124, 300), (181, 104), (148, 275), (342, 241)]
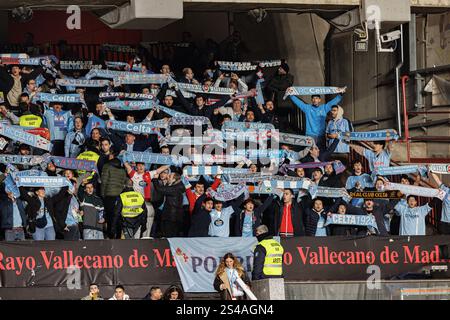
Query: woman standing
[(229, 270)]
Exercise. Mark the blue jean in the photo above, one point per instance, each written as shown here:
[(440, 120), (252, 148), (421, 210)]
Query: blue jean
[(91, 234), (47, 233)]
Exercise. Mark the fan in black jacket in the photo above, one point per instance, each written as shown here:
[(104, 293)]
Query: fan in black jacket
[(201, 219), (255, 214)]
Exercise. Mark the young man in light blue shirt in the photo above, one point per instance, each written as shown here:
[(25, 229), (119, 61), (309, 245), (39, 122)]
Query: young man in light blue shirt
[(412, 217), (316, 114), (220, 220), (378, 158)]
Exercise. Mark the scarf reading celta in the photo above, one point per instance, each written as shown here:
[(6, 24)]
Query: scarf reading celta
[(35, 61), (237, 125), (74, 164), (131, 105), (309, 91), (153, 158), (377, 135), (138, 128), (64, 98), (126, 95), (82, 83), (40, 181), (25, 137), (415, 190)]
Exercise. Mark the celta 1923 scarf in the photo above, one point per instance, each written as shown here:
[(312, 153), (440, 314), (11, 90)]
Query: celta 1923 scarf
[(309, 91), (377, 135), (154, 158), (82, 83), (137, 128), (237, 125), (415, 190), (74, 164), (25, 137), (63, 98), (352, 220), (126, 95), (131, 105)]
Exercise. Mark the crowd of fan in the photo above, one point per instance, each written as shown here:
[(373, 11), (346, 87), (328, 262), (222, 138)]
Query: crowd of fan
[(170, 206)]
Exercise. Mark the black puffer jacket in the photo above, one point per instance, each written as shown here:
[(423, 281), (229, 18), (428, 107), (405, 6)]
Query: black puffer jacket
[(173, 204)]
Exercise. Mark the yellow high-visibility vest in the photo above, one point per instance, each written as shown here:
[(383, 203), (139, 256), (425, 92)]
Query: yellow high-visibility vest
[(88, 155), (273, 262), (30, 120), (132, 202)]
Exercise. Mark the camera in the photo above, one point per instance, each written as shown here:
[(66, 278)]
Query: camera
[(391, 36)]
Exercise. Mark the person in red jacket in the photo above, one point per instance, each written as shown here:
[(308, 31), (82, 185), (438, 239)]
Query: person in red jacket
[(142, 184), (198, 190)]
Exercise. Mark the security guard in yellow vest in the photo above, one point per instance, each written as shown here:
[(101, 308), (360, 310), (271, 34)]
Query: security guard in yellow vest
[(91, 156), (30, 120), (267, 256), (130, 214)]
